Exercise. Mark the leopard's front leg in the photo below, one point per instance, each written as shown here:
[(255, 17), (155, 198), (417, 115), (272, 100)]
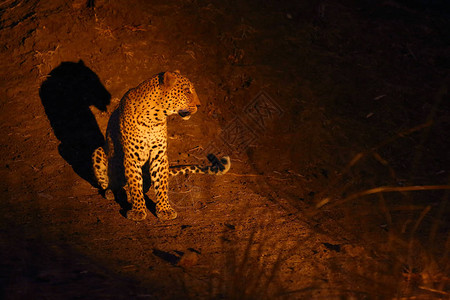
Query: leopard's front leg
[(134, 187), (159, 173)]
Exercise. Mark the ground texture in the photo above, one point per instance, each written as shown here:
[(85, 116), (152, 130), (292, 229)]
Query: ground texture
[(335, 115)]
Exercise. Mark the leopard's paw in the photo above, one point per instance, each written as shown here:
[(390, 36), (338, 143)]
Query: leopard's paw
[(166, 214), (136, 215)]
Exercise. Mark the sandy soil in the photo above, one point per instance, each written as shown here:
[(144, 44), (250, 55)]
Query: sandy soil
[(317, 103)]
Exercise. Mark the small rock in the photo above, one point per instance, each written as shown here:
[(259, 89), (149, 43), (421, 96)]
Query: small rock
[(189, 259)]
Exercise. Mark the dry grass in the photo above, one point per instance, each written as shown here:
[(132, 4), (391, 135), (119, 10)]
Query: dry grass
[(416, 239)]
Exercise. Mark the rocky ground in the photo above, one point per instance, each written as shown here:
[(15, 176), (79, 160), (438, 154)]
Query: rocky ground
[(335, 115)]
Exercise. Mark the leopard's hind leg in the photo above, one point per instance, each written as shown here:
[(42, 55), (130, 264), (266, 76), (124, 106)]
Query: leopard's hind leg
[(100, 166)]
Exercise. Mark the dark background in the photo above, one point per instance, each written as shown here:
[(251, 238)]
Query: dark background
[(335, 115)]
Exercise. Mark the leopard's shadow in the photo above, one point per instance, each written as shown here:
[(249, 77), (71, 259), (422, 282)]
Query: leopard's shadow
[(67, 93)]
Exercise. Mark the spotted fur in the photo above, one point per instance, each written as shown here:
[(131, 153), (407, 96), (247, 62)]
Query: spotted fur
[(137, 133)]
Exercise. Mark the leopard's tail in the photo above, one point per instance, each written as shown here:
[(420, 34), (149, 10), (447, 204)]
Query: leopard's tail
[(218, 167), (100, 166)]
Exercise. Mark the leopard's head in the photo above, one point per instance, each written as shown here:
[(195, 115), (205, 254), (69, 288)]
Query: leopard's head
[(178, 94)]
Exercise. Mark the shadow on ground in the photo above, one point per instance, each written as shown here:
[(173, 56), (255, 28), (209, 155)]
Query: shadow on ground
[(69, 91)]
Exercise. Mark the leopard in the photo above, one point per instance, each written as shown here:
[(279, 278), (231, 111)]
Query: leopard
[(136, 134)]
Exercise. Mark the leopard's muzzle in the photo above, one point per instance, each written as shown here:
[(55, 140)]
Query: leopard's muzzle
[(186, 113)]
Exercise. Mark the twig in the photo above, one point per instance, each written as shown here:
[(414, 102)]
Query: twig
[(195, 148), (7, 2), (384, 189), (419, 220), (243, 175), (433, 290)]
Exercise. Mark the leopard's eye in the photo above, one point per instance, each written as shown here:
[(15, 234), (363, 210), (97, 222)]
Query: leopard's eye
[(187, 90)]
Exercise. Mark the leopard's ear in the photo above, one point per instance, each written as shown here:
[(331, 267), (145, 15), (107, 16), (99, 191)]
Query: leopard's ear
[(177, 71), (169, 79)]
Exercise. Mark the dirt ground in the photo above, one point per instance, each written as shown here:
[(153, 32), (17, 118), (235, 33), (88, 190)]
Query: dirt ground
[(336, 116)]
